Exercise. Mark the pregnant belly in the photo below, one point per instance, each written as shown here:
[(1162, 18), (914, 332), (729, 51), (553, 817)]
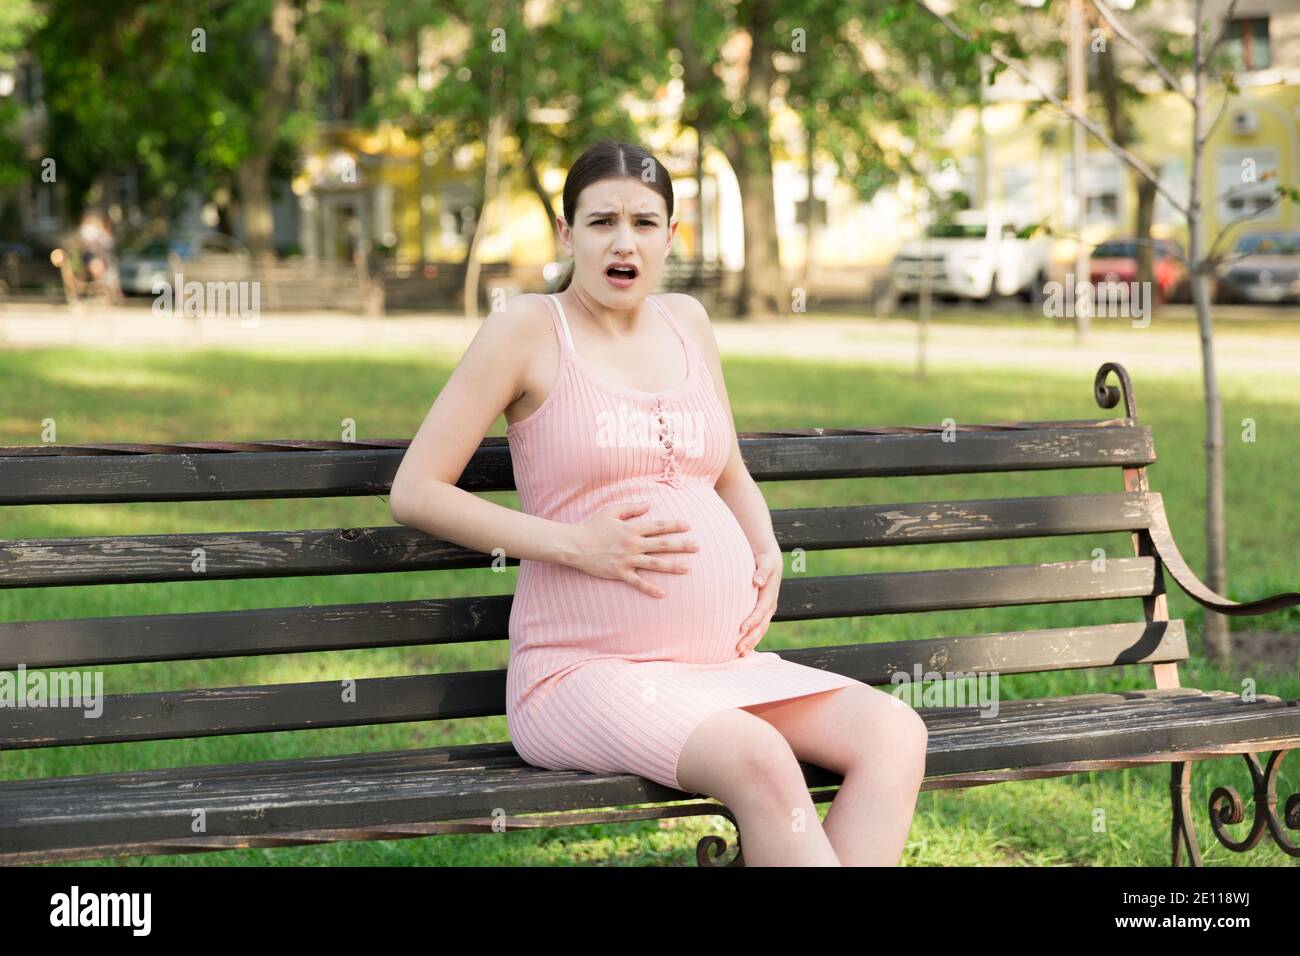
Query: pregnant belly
[(700, 615), (698, 620)]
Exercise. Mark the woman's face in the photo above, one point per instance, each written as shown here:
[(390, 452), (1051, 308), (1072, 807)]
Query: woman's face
[(618, 221)]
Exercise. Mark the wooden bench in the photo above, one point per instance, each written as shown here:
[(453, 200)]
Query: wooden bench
[(486, 787), (421, 287), (24, 273), (701, 279)]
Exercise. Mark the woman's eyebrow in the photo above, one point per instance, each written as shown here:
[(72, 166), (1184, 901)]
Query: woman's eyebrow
[(614, 212)]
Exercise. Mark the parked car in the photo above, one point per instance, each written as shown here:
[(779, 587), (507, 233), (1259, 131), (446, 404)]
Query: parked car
[(1116, 261), (1269, 271), (27, 267), (974, 255), (160, 259)]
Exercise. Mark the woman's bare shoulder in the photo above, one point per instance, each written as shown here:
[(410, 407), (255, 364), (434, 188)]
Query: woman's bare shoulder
[(519, 323), (523, 330), (692, 316)]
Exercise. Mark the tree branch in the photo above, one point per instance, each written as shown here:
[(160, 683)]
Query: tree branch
[(1123, 32), (1230, 259), (1157, 244), (1223, 35), (1240, 187), (1223, 108), (1210, 256), (1137, 164)]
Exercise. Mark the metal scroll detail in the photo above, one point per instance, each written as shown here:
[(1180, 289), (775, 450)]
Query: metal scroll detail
[(1226, 808), (1108, 396), (710, 849)]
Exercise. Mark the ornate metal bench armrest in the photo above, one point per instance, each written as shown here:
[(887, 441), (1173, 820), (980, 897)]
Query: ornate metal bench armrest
[(1163, 540)]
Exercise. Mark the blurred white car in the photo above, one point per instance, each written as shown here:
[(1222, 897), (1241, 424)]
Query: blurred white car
[(212, 253), (974, 255)]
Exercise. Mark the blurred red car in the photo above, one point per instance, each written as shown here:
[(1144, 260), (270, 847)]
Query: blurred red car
[(1116, 261)]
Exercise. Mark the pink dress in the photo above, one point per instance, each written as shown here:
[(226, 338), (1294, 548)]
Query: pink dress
[(602, 676)]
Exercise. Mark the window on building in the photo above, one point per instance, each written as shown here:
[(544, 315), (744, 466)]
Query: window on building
[(1247, 44), (1103, 187), (1245, 182), (1174, 178), (1103, 207), (1020, 190)]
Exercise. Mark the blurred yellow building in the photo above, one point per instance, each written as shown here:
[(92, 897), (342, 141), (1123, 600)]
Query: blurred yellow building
[(393, 191)]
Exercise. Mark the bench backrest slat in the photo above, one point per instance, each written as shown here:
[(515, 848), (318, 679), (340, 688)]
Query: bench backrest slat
[(838, 453), (123, 559), (376, 700), (454, 620)]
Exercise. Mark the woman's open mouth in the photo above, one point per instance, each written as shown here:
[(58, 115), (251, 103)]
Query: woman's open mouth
[(621, 277)]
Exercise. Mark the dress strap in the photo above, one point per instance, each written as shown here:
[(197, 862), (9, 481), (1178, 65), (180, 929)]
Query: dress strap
[(564, 322), (687, 345)]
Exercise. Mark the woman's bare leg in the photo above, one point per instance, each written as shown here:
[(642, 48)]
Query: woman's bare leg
[(878, 744), (745, 763)]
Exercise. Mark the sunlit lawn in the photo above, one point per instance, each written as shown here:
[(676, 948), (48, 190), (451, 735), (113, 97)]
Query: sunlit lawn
[(144, 396)]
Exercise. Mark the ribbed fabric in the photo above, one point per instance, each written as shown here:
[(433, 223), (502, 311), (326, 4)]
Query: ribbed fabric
[(601, 676)]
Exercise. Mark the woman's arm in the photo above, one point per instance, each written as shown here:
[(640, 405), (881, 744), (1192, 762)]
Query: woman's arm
[(424, 495), (750, 508)]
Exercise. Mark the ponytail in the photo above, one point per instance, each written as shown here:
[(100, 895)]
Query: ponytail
[(568, 277)]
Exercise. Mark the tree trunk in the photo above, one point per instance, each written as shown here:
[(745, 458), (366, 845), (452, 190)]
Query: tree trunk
[(1120, 130), (700, 223), (491, 183), (251, 177), (763, 289), (1146, 208), (1218, 647), (535, 183), (1078, 84), (810, 171)]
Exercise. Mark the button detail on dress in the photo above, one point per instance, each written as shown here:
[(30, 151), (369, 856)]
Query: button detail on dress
[(671, 472)]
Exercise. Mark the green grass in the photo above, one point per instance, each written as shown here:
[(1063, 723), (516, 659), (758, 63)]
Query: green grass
[(1251, 319), (138, 396)]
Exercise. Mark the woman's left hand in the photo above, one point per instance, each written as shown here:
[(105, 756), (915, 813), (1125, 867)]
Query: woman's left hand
[(768, 568)]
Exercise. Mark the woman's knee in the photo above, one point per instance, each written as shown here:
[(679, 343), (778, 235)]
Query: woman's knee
[(896, 734), (741, 758)]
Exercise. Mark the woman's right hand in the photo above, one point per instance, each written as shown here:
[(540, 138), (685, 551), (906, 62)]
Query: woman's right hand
[(610, 546)]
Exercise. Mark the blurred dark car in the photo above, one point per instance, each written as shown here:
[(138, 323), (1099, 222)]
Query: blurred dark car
[(1116, 261), (1269, 273), (214, 253), (26, 267)]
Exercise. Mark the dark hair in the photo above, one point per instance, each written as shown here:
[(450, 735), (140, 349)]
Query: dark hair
[(610, 159)]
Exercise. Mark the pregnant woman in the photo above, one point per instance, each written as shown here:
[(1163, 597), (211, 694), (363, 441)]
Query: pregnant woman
[(648, 566)]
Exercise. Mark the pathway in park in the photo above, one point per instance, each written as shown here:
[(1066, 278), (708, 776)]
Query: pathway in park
[(979, 341)]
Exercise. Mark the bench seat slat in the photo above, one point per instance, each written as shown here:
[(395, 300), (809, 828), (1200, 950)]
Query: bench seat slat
[(434, 784), (109, 559), (54, 474), (273, 707)]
